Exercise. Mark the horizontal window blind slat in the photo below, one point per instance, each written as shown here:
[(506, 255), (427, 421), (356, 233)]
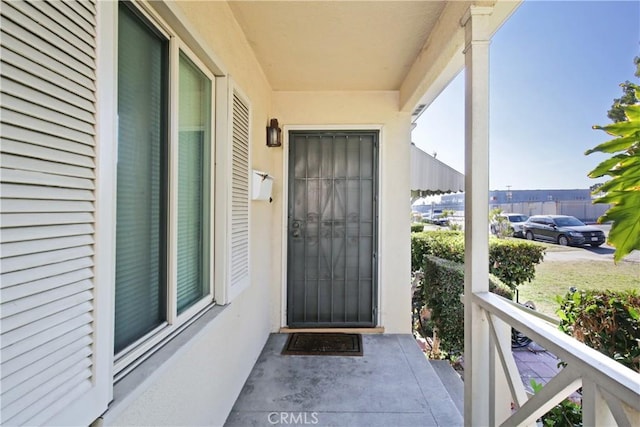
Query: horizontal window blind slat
[(27, 359), (57, 75), (44, 232), (61, 24), (44, 304), (23, 381), (30, 109), (81, 12), (84, 100), (24, 262), (44, 271), (36, 219), (57, 37), (34, 341), (36, 246), (12, 161), (38, 97), (33, 328), (17, 191), (83, 64), (20, 411), (25, 290), (17, 176), (53, 129), (42, 206), (58, 400), (43, 152)]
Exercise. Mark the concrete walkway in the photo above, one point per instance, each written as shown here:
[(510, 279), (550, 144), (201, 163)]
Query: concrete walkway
[(535, 363), (392, 384)]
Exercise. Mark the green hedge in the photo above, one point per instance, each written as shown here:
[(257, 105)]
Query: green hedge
[(445, 244), (443, 285), (512, 261), (417, 227), (606, 321)]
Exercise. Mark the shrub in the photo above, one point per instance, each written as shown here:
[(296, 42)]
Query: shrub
[(440, 292), (445, 244), (417, 228), (566, 413), (606, 321), (512, 261)]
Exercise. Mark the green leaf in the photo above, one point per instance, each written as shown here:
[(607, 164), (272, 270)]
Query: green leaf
[(633, 113), (635, 314), (606, 166), (625, 230), (620, 128), (616, 144)]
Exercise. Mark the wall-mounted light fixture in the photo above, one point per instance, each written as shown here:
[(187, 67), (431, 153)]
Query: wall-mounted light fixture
[(274, 134)]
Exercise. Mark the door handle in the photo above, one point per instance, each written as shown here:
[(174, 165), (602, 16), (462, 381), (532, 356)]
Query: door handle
[(296, 233)]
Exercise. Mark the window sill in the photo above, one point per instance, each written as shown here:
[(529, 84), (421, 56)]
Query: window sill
[(135, 382)]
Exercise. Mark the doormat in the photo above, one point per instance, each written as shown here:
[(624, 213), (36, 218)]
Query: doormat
[(323, 344)]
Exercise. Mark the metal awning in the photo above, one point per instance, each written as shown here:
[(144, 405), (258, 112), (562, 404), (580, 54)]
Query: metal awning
[(431, 176)]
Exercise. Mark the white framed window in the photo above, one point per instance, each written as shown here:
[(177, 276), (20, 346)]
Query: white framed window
[(164, 206)]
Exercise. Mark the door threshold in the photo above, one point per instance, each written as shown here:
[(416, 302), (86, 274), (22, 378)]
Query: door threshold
[(377, 330)]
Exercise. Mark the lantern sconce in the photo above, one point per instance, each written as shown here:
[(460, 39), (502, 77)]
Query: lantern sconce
[(274, 134)]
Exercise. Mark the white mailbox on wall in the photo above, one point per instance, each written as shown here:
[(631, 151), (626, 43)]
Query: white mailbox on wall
[(262, 185)]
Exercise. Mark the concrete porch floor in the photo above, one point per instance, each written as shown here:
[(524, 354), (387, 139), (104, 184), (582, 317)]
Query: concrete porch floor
[(391, 384)]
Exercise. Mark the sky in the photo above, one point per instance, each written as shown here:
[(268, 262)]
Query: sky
[(555, 68)]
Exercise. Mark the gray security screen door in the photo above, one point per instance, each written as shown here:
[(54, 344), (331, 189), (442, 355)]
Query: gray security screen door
[(332, 226)]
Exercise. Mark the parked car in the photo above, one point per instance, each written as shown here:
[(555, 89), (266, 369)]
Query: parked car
[(563, 230), (439, 219), (514, 221)]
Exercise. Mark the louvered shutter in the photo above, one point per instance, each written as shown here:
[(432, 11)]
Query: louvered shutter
[(47, 294), (239, 217)]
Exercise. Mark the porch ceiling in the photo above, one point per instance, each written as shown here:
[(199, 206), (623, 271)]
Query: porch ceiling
[(337, 45)]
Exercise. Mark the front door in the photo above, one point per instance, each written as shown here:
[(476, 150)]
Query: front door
[(332, 229)]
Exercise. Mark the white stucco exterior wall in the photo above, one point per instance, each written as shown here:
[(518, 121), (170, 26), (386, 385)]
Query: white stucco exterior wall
[(359, 109)]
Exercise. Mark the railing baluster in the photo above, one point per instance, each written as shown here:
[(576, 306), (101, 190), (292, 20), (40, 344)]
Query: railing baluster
[(624, 415), (518, 392), (555, 391)]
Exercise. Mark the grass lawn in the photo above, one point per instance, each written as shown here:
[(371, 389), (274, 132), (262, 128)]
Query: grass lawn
[(556, 277)]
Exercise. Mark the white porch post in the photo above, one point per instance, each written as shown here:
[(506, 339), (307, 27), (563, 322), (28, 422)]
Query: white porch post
[(476, 261)]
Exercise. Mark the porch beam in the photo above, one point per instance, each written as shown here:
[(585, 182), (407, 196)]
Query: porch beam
[(478, 369)]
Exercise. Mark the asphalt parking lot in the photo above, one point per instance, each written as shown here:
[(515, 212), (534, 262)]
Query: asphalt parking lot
[(603, 253)]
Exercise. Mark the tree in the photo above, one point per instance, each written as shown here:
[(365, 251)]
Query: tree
[(622, 191), (616, 113)]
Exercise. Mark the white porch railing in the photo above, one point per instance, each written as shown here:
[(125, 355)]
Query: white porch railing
[(610, 391)]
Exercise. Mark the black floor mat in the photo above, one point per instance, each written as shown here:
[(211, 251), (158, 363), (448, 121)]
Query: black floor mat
[(323, 344)]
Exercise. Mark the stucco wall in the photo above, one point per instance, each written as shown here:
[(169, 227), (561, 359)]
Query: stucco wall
[(355, 109), (199, 384)]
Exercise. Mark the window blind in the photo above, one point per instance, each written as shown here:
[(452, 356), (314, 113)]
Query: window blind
[(194, 118), (140, 297)]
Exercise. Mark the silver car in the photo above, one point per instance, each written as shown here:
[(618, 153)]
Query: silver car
[(514, 222)]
